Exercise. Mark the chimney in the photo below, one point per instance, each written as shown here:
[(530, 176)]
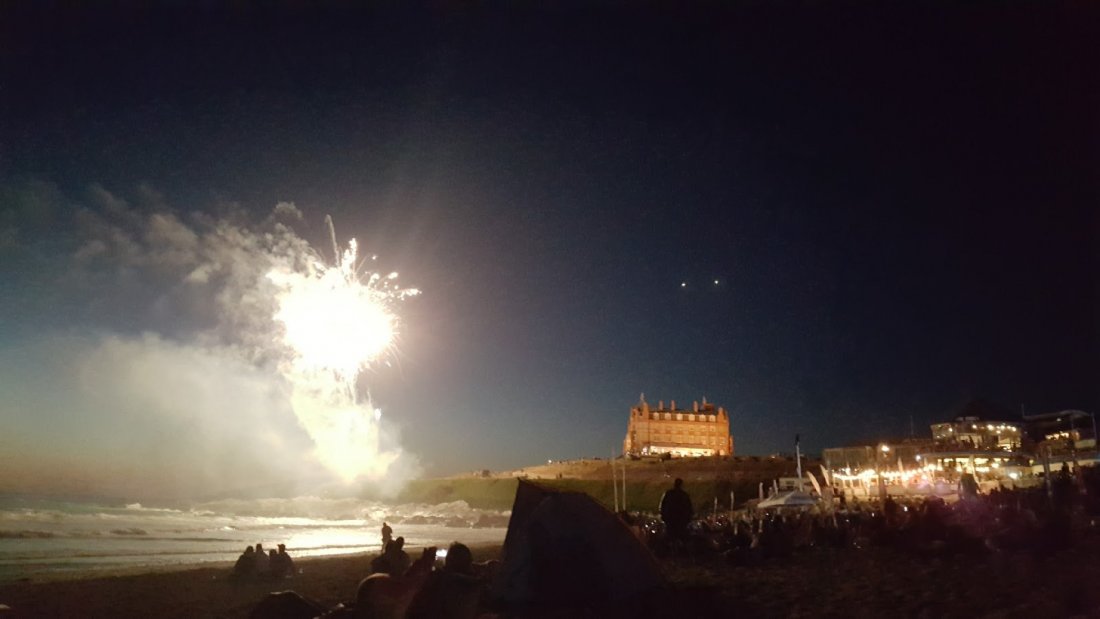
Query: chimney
[(660, 405), (695, 406), (672, 406)]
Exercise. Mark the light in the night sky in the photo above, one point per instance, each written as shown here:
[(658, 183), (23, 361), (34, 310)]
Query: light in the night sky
[(337, 324), (332, 320), (683, 284)]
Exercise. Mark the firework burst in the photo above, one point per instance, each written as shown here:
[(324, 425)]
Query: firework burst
[(338, 321)]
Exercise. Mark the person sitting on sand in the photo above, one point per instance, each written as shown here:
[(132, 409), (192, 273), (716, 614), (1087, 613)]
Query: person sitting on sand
[(379, 564), (393, 560), (282, 566), (380, 596), (274, 569), (450, 593), (262, 561), (246, 564), (400, 559), (676, 510), (423, 566)]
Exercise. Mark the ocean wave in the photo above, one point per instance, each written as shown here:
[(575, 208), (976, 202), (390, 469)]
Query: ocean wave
[(347, 511), (138, 507), (239, 516), (130, 531), (26, 534)]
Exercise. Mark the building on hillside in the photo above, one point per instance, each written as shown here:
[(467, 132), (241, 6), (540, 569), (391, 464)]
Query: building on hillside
[(982, 440), (702, 431), (888, 454), (976, 434), (1063, 432)]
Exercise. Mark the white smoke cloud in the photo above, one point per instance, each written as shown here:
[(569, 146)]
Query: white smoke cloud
[(145, 416), (186, 390)]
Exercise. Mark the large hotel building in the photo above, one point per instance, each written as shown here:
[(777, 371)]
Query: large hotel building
[(701, 431)]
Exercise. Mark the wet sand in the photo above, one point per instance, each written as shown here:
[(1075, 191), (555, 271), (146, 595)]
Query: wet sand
[(816, 583)]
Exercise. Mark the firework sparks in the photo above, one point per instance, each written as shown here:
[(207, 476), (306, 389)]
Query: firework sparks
[(338, 320)]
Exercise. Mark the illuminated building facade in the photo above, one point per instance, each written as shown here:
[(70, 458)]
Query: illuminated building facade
[(972, 433), (990, 449), (1064, 432), (902, 454), (1011, 453), (701, 431)]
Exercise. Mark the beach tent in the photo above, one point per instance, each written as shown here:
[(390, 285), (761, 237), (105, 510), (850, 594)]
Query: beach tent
[(563, 549), (794, 498)]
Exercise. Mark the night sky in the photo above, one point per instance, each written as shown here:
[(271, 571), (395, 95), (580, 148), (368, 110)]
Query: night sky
[(898, 204)]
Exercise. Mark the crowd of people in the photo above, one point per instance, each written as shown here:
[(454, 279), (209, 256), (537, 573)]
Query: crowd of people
[(256, 563), (399, 588), (1040, 520)]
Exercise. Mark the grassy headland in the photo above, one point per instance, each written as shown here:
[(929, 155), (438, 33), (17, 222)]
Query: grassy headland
[(704, 478)]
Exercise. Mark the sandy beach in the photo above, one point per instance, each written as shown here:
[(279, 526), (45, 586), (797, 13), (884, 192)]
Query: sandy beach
[(187, 592), (851, 582)]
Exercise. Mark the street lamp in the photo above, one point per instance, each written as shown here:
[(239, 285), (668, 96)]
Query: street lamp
[(883, 449)]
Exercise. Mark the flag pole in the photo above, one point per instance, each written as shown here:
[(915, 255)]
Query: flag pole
[(798, 459), (624, 482), (614, 482)]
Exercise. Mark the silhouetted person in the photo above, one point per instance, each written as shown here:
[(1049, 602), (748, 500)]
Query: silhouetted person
[(676, 511), (281, 563), (286, 605), (262, 565), (393, 560), (387, 535), (968, 487), (890, 510), (400, 558), (246, 564), (273, 565), (1063, 488), (378, 565), (450, 593), (380, 596), (423, 566)]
